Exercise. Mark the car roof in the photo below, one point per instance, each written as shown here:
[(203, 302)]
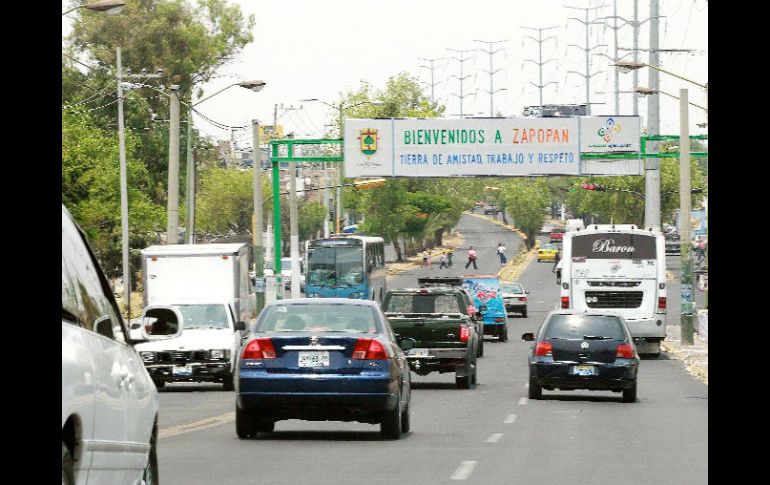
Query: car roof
[(427, 289), (325, 301), (600, 313)]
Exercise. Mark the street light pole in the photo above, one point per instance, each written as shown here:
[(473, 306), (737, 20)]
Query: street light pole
[(123, 188), (172, 226), (259, 250), (684, 220), (341, 178)]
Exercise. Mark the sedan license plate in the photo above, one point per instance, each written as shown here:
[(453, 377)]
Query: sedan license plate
[(185, 370), (584, 370), (313, 358), (418, 353)]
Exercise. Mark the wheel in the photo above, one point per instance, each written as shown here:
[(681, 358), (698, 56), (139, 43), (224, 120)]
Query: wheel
[(263, 426), (67, 472), (245, 423), (475, 376), (504, 333), (524, 313), (390, 427), (228, 384), (150, 476), (629, 395), (468, 381), (405, 420), (535, 391), (159, 384), (481, 347)]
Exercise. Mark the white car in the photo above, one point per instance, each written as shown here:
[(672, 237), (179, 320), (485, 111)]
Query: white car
[(109, 404), (514, 298)]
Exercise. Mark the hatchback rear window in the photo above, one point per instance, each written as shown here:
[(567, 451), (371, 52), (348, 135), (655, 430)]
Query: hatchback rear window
[(423, 303), (318, 318), (576, 327)]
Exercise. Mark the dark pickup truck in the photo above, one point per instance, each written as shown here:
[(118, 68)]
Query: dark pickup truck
[(444, 334)]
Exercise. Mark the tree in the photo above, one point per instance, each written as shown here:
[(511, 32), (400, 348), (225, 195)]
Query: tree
[(526, 198)]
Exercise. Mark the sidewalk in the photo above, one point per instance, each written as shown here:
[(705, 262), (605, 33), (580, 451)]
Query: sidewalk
[(695, 357)]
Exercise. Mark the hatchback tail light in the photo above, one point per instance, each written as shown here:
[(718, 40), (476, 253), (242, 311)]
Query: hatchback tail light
[(259, 348), (543, 349), (565, 302), (661, 303), (465, 333), (625, 351), (369, 349), (499, 320)]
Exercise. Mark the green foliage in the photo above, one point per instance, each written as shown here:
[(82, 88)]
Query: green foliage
[(525, 199), (225, 200), (311, 217)]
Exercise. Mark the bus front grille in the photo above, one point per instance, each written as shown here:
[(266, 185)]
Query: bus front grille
[(614, 299)]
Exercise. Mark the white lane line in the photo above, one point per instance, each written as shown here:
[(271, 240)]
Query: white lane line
[(510, 419), (196, 426), (464, 470), (522, 401), (494, 438)]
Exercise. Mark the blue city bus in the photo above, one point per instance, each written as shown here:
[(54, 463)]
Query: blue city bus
[(346, 266)]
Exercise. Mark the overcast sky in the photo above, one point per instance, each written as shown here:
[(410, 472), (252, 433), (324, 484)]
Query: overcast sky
[(322, 49)]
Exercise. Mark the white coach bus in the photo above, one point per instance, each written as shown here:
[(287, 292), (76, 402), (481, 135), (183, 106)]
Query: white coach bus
[(622, 269)]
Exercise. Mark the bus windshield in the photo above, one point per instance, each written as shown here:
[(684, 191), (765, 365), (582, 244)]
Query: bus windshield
[(335, 266)]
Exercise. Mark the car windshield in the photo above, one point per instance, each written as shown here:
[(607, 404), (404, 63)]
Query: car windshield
[(203, 316), (423, 303), (334, 317), (577, 327), (511, 288), (335, 266), (550, 246)]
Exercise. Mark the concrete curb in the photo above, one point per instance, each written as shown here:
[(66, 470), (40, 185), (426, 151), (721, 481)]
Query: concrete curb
[(694, 357)]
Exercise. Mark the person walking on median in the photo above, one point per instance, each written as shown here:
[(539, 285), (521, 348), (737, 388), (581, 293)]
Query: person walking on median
[(501, 253), (426, 263), (443, 261), (449, 258), (471, 258)]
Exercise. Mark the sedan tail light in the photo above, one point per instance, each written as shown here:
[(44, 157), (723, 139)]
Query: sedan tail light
[(661, 303), (259, 348), (565, 302), (522, 298), (465, 333), (369, 349), (625, 351), (543, 349)]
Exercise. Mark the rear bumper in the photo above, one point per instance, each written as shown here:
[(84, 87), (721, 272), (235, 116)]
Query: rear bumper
[(648, 327), (610, 376), (201, 372)]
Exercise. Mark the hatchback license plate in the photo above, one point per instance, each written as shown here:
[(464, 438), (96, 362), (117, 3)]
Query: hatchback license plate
[(418, 353), (183, 371), (314, 358), (584, 370)]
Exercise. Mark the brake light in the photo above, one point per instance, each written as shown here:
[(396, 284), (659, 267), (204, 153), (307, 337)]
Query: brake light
[(259, 348), (522, 298), (662, 303), (625, 351), (369, 349), (465, 333), (499, 320), (565, 302), (543, 349)]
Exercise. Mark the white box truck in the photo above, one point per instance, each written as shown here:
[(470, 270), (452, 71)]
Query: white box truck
[(210, 285)]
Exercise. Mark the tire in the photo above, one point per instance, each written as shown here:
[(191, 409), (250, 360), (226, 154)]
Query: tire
[(159, 384), (405, 424), (468, 381), (629, 395), (67, 466), (524, 313), (245, 423), (481, 346), (390, 426), (150, 475), (263, 426), (228, 384), (504, 333), (535, 391)]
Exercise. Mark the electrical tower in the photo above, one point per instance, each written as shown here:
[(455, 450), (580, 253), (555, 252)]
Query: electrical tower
[(432, 84), (540, 63), (587, 49), (491, 73), (462, 59)]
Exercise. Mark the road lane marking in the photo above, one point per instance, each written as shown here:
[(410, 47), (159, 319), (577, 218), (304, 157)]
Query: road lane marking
[(494, 438), (522, 401), (196, 426), (510, 419), (464, 470)]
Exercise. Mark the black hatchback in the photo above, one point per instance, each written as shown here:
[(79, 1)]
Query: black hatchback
[(592, 350)]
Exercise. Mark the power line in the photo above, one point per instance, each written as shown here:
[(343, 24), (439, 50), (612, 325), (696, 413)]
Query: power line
[(540, 63), (462, 78), (491, 72), (587, 49)]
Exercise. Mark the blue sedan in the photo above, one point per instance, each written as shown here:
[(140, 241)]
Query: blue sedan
[(331, 359)]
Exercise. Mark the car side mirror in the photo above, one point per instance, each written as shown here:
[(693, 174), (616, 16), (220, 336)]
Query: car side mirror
[(483, 308), (528, 337), (406, 343), (240, 326), (161, 322)]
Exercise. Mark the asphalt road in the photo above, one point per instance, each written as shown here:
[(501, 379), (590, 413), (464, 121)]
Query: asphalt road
[(490, 435)]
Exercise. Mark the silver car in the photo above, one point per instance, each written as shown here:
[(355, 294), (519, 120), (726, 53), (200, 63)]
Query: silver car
[(514, 298)]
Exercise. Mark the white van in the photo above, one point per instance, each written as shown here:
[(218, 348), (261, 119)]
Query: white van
[(575, 225)]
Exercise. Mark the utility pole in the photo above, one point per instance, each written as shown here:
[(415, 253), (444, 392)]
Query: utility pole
[(341, 173), (652, 165), (293, 227), (491, 73), (587, 76), (123, 189), (540, 62), (259, 250), (172, 227), (684, 219), (432, 68), (462, 78)]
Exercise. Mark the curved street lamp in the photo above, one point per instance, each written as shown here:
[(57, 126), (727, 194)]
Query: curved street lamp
[(110, 7)]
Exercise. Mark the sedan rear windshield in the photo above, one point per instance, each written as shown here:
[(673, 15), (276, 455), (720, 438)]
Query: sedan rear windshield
[(511, 288), (423, 303), (577, 327), (318, 318)]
